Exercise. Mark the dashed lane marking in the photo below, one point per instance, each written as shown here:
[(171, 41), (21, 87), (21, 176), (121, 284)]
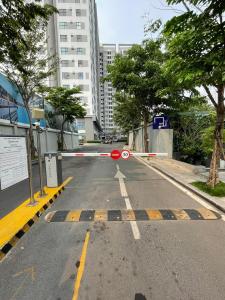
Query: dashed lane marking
[(132, 215)]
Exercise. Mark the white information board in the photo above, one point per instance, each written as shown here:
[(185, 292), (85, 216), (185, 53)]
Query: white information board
[(13, 161)]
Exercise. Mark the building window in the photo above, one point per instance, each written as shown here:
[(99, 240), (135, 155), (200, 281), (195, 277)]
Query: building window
[(84, 87), (80, 124), (80, 51), (62, 25), (67, 86), (64, 50), (78, 25), (80, 76), (63, 38), (82, 63), (81, 12), (67, 75), (65, 12), (71, 25), (68, 1), (67, 63), (79, 38)]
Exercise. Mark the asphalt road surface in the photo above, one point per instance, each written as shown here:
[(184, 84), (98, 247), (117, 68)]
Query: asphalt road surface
[(123, 261)]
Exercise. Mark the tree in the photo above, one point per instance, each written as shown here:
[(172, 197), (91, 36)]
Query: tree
[(196, 46), (138, 74), (34, 66), (66, 104), (126, 113), (16, 17), (189, 127)]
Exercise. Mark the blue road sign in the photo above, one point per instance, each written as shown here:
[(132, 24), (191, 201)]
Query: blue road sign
[(161, 122)]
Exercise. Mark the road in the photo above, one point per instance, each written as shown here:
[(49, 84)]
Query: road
[(164, 259)]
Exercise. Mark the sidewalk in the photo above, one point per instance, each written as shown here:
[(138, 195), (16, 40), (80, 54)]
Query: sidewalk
[(185, 174)]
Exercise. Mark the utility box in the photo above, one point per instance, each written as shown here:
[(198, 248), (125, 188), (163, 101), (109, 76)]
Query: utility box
[(53, 167)]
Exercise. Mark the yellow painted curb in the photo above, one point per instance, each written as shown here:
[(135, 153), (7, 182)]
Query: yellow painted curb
[(17, 222)]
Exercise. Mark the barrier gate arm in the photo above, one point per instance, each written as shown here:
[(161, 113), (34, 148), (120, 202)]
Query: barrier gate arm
[(132, 154)]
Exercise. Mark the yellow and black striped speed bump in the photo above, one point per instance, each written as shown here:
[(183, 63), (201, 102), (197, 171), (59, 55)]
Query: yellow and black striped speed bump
[(7, 247), (132, 215)]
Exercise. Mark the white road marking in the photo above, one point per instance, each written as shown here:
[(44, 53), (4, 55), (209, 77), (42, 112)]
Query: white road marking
[(123, 188), (183, 189), (133, 224), (119, 175)]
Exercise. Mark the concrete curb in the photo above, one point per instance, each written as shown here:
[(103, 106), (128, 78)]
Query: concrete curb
[(191, 189), (12, 242)]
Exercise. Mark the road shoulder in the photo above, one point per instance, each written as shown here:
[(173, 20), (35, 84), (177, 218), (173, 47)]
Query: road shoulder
[(14, 225), (184, 174)]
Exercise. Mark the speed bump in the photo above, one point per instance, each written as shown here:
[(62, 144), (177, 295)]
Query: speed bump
[(132, 215)]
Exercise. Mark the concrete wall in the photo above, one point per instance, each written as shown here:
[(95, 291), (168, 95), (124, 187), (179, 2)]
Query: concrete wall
[(49, 138), (89, 128), (160, 140)]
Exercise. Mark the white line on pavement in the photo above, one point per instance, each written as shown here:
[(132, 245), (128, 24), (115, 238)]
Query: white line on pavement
[(119, 175), (184, 190), (133, 224), (123, 188)]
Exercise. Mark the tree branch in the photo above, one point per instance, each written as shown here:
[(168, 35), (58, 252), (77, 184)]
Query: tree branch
[(186, 6), (210, 95)]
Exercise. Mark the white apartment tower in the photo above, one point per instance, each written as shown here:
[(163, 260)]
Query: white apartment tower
[(106, 56), (73, 37)]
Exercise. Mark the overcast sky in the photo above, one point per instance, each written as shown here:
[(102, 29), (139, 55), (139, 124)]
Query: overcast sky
[(121, 21)]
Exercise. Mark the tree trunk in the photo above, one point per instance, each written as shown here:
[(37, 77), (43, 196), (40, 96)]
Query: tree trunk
[(218, 140), (134, 138), (61, 146), (30, 130), (146, 138)]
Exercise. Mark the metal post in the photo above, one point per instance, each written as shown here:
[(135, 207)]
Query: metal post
[(29, 160), (42, 191)]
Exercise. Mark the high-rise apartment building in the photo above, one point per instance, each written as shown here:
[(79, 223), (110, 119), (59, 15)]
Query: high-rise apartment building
[(106, 57), (73, 37)]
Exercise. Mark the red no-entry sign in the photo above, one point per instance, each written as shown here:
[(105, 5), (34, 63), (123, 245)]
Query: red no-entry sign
[(115, 154)]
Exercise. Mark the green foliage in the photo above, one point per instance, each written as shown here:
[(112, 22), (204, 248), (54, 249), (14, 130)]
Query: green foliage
[(126, 112), (218, 191), (29, 67), (195, 42), (22, 54), (190, 131), (196, 45), (17, 17), (138, 77), (207, 140), (66, 103)]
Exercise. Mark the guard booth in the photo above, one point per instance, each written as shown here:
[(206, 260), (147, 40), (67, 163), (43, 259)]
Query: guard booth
[(53, 167)]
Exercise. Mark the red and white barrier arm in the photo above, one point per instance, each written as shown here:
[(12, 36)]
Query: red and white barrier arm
[(89, 154), (148, 154), (132, 154)]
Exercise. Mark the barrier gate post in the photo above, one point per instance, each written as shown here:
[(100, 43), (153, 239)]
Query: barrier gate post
[(53, 167)]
